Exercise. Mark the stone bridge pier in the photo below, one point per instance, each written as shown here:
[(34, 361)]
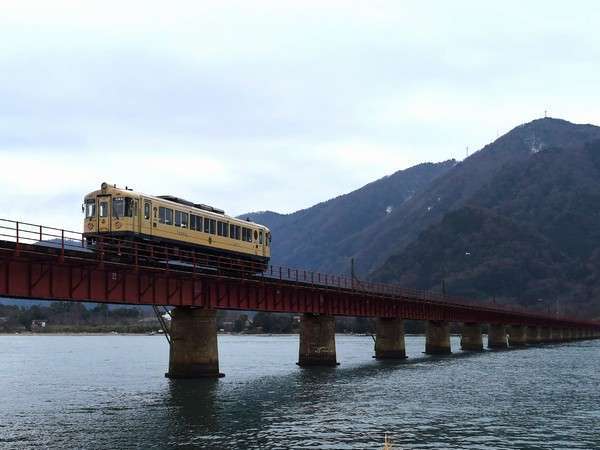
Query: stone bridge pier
[(193, 351), (517, 336), (437, 338), (471, 339), (533, 335), (545, 335), (497, 336), (556, 335), (389, 339), (317, 341)]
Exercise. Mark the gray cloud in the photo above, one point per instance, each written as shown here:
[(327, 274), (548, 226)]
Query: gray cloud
[(281, 106)]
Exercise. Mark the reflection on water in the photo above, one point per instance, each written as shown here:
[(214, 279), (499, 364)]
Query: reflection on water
[(109, 392)]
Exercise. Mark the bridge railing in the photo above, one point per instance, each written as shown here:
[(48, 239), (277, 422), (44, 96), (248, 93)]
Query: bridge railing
[(32, 234), (25, 236)]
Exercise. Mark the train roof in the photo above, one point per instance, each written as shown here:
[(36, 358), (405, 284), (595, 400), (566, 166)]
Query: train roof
[(177, 201), (181, 201)]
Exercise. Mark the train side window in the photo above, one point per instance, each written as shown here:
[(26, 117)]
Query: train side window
[(90, 209), (165, 215), (129, 207), (260, 237), (207, 225), (246, 234), (118, 207), (222, 229), (147, 211), (103, 209), (255, 235), (181, 219), (213, 226), (192, 222), (199, 223), (234, 231)]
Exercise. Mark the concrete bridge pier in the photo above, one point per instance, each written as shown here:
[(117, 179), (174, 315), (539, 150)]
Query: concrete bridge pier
[(193, 351), (497, 336), (317, 341), (471, 339), (545, 335), (556, 335), (389, 339), (437, 338), (533, 335), (517, 336)]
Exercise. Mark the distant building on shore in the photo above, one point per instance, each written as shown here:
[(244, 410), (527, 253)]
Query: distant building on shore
[(38, 325)]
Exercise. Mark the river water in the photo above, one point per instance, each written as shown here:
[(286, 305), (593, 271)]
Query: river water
[(109, 392)]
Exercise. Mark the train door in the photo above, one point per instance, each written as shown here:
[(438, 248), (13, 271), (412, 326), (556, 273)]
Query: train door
[(146, 217), (262, 241), (104, 213)]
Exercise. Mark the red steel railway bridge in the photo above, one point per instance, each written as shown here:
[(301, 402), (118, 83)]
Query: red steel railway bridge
[(39, 262)]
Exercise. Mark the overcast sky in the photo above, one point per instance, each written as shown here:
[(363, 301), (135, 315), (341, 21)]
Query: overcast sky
[(271, 105)]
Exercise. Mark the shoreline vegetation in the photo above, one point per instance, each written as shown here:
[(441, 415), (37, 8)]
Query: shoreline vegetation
[(157, 333), (66, 318)]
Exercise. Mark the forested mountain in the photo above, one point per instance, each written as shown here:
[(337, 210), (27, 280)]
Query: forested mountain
[(456, 187), (517, 220), (325, 236), (531, 234)]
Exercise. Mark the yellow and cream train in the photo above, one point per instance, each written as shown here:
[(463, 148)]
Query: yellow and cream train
[(172, 221)]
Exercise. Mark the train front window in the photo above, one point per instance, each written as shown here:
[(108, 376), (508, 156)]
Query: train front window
[(118, 208), (103, 209), (260, 237), (90, 209)]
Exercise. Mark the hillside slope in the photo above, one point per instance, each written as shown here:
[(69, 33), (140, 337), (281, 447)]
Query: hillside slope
[(457, 186), (324, 236), (531, 234)]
